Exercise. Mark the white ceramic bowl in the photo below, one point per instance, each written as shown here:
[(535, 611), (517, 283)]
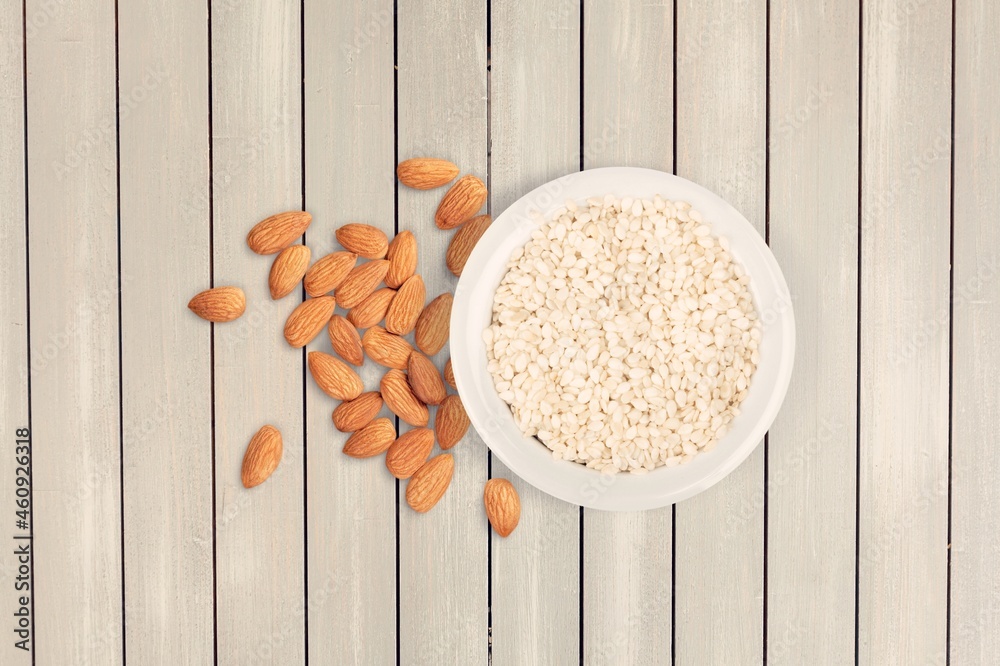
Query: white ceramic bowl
[(532, 460)]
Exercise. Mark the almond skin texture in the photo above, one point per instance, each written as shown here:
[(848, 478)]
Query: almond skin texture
[(278, 231), (402, 256), (262, 456), (361, 282), (363, 239), (334, 376), (433, 325), (425, 380), (220, 304), (429, 483), (406, 306), (464, 241), (408, 453), (451, 422), (399, 398), (287, 270), (345, 340), (426, 173), (460, 203), (503, 506), (371, 440), (371, 311), (386, 348), (326, 274), (308, 319), (355, 414), (449, 374)]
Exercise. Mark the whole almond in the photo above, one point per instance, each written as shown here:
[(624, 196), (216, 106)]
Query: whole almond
[(361, 282), (326, 274), (353, 415), (402, 256), (371, 440), (432, 326), (460, 203), (409, 452), (399, 398), (449, 374), (262, 456), (278, 231), (464, 241), (371, 311), (334, 376), (406, 306), (345, 340), (287, 270), (451, 422), (425, 380), (220, 304), (425, 173), (363, 239), (308, 319), (386, 348), (503, 506), (429, 483)]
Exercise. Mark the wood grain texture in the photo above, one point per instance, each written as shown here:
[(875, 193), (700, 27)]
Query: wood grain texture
[(442, 113), (903, 447), (257, 171), (975, 463), (627, 556), (721, 128), (535, 137), (813, 216), (349, 178)]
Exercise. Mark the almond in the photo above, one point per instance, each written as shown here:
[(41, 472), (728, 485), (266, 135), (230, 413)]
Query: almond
[(460, 203), (464, 241), (408, 453), (326, 274), (406, 306), (425, 173), (449, 374), (361, 282), (399, 398), (503, 506), (308, 319), (386, 348), (432, 325), (402, 256), (371, 440), (262, 456), (334, 376), (429, 483), (219, 304), (345, 340), (287, 270), (371, 311), (451, 422), (278, 231), (363, 239), (353, 415), (425, 380)]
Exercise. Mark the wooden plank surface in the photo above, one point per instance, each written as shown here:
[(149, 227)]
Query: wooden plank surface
[(627, 559), (905, 227)]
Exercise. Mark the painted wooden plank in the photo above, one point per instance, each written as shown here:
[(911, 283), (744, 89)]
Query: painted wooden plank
[(73, 258), (442, 113), (721, 128), (627, 556), (975, 529), (349, 177), (813, 214), (905, 228), (166, 350), (535, 137), (257, 171)]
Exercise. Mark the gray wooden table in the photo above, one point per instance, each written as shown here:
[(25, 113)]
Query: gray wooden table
[(140, 141)]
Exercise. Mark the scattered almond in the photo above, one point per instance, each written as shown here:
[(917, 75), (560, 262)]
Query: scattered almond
[(433, 324), (503, 506), (262, 456), (371, 311), (345, 340), (409, 452), (363, 239), (287, 270), (361, 282), (220, 304), (371, 440), (425, 173), (449, 374), (326, 274), (308, 319), (406, 306), (425, 380), (278, 231), (386, 348), (429, 483), (402, 256), (451, 422), (353, 415), (460, 203), (334, 376), (399, 398), (464, 241)]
